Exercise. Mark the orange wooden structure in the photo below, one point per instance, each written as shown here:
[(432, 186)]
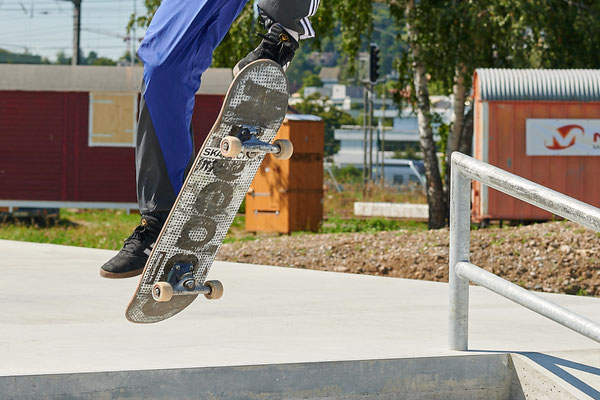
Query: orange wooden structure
[(504, 100), (287, 195)]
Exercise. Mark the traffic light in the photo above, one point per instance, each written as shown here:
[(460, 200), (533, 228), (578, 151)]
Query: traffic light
[(373, 62)]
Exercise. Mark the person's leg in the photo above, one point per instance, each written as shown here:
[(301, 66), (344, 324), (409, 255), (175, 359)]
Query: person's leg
[(176, 50), (287, 22), (292, 15)]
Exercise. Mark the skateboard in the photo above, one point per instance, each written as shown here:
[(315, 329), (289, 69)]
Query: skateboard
[(175, 273)]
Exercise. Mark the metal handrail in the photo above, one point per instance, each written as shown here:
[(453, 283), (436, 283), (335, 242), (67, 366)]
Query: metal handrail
[(465, 168)]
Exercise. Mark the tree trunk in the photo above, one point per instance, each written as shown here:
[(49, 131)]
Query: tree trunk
[(435, 192), (466, 141), (455, 134)]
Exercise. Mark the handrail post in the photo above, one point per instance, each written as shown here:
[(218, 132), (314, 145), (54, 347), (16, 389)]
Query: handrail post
[(460, 244)]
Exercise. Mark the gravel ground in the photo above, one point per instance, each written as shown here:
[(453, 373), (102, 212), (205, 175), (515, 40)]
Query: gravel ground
[(558, 257)]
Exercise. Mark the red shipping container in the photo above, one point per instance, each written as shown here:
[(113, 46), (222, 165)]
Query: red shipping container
[(538, 124)]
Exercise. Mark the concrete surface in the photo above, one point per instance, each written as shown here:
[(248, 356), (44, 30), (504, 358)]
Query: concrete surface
[(58, 316), (559, 375), (392, 210)]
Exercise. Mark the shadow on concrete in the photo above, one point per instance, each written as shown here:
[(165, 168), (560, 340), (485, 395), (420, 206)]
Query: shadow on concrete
[(554, 364)]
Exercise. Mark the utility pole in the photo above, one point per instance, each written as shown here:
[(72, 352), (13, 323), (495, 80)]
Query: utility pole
[(382, 124), (364, 76), (370, 124), (365, 112), (76, 30), (373, 76)]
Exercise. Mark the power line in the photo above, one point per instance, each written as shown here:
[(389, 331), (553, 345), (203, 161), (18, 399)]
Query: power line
[(17, 25)]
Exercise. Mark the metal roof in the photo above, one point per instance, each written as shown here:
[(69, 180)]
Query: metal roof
[(539, 84), (87, 78)]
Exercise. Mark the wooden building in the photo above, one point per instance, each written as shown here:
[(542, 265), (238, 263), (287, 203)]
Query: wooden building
[(287, 195), (67, 133)]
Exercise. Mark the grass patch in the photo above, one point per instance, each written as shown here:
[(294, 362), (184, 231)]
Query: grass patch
[(103, 229), (107, 229), (342, 203), (336, 224)]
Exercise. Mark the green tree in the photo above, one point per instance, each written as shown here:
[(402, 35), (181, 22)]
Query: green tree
[(312, 80), (62, 59), (239, 40), (449, 39), (300, 68), (566, 33), (103, 61)]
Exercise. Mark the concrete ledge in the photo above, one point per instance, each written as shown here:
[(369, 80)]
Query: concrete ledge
[(392, 210), (485, 377)]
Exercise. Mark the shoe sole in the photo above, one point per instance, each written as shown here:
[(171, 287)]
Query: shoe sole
[(121, 275)]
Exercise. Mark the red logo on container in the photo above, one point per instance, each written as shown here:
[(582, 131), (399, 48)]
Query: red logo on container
[(568, 135)]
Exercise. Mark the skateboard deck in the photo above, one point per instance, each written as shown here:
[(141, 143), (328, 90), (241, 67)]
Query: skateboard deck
[(213, 191)]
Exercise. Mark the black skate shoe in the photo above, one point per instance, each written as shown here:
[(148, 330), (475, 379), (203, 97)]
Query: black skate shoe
[(131, 259), (277, 45)]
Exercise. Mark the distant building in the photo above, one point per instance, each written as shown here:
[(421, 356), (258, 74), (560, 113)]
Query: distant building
[(329, 75), (405, 129), (68, 133), (323, 91), (7, 57), (326, 58)]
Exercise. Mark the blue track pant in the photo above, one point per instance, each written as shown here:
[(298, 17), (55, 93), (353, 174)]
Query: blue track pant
[(176, 50)]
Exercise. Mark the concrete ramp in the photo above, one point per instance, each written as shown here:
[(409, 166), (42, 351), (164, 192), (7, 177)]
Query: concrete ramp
[(410, 379), (276, 333)]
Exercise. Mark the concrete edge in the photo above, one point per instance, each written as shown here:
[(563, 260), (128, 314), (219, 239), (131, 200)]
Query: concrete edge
[(455, 377), (565, 375)]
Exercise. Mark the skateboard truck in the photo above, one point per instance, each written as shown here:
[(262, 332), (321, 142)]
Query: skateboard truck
[(248, 144), (181, 282)]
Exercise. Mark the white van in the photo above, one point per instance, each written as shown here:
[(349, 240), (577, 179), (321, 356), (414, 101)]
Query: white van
[(403, 172)]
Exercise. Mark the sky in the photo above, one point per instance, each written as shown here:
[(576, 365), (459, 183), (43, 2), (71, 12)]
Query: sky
[(45, 27)]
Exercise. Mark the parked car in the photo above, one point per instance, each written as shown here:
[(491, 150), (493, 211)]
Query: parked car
[(403, 172)]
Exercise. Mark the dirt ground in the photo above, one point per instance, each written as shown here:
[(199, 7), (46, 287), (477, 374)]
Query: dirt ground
[(558, 257)]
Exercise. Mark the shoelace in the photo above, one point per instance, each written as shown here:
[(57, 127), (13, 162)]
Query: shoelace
[(138, 234), (268, 38), (130, 243)]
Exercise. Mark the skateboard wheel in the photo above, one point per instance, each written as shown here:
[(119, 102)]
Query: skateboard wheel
[(216, 290), (286, 149), (162, 292), (230, 146)]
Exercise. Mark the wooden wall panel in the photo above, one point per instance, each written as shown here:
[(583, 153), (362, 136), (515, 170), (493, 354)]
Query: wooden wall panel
[(572, 175)]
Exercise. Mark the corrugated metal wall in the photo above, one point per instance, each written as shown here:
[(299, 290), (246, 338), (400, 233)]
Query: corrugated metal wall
[(44, 152), (575, 176)]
